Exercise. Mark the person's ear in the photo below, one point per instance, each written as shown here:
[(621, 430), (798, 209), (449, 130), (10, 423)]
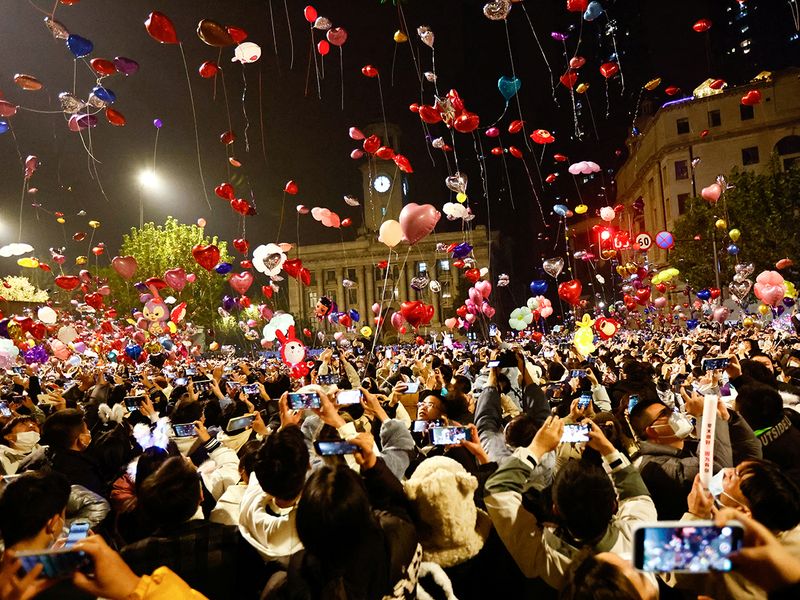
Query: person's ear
[(51, 525)]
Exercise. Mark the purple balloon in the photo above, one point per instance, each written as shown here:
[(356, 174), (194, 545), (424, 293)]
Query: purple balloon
[(462, 250), (559, 37), (140, 286), (126, 66), (228, 303), (158, 123), (86, 121)]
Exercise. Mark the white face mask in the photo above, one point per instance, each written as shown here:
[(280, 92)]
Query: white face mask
[(679, 424), (715, 485), (26, 441)]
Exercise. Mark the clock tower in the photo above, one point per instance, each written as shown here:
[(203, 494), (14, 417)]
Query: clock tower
[(385, 186)]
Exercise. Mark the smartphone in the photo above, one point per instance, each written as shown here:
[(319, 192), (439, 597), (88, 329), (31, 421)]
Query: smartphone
[(677, 383), (299, 401), (424, 426), (4, 410), (348, 397), (237, 423), (133, 403), (17, 370), (190, 372), (251, 389), (334, 448), (445, 436), (200, 385), (493, 364), (578, 373), (574, 433), (585, 400), (60, 563), (184, 430), (77, 531), (675, 547), (492, 330), (633, 400), (714, 364), (328, 379), (412, 388), (179, 381)]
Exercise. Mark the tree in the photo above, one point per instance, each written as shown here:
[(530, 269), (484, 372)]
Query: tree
[(159, 248), (764, 207), (20, 289)]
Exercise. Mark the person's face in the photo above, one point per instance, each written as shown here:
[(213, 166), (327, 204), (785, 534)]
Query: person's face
[(25, 426), (659, 428), (732, 495), (640, 582), (430, 409)]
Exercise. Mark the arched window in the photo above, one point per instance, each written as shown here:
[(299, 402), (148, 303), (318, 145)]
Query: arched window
[(788, 150)]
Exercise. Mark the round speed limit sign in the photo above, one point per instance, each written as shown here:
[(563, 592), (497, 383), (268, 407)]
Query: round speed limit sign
[(644, 241)]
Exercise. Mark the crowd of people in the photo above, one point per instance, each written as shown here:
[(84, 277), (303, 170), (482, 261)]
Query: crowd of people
[(440, 472)]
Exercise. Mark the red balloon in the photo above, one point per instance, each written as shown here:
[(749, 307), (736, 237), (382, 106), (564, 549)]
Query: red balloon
[(515, 126), (751, 98), (103, 66), (402, 163), (414, 312), (609, 69), (323, 47), (310, 13), (213, 34), (577, 5), (369, 71), (412, 107), (160, 28), (497, 151), (702, 25), (643, 296), (347, 222), (570, 291), (384, 153), (569, 79), (238, 34), (115, 117), (227, 138), (717, 84), (290, 187), (206, 256), (225, 191), (467, 122), (672, 90), (208, 69), (472, 275), (372, 143), (337, 36), (292, 267), (242, 206), (515, 152), (67, 282), (542, 136), (429, 114), (241, 245)]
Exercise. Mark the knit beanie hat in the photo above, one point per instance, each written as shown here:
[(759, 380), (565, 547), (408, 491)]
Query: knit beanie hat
[(452, 529)]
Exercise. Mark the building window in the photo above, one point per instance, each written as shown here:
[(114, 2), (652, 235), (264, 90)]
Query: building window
[(313, 298), (683, 203), (332, 295), (746, 112), (681, 169), (422, 267), (330, 275), (714, 118), (682, 126), (351, 274), (352, 297), (750, 155), (444, 265)]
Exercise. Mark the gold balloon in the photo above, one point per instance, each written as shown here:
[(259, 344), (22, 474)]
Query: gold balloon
[(734, 234), (763, 309), (213, 346), (400, 37), (721, 224), (582, 87), (81, 260), (61, 220), (366, 331), (94, 224), (652, 84), (14, 330), (28, 262), (747, 322), (580, 209), (632, 267)]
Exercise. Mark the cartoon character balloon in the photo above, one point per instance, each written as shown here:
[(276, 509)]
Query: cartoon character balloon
[(584, 336), (323, 307), (293, 351)]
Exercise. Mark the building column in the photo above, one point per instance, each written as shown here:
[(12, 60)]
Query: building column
[(363, 308), (320, 283), (434, 274), (340, 297), (369, 292), (409, 276)]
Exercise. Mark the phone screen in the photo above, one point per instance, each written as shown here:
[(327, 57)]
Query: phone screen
[(299, 401), (184, 430), (251, 389), (445, 436), (493, 364), (77, 531), (4, 410), (133, 403), (348, 397), (633, 400), (242, 422), (585, 400), (57, 563), (201, 385), (181, 381), (578, 373), (412, 388), (714, 364), (699, 548), (335, 448), (575, 433), (328, 379)]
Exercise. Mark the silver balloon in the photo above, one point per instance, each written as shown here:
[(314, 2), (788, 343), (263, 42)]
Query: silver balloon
[(347, 284), (426, 35), (503, 280), (69, 103), (322, 23), (252, 335), (57, 29), (430, 76), (435, 286), (420, 282), (438, 143), (497, 10), (95, 102)]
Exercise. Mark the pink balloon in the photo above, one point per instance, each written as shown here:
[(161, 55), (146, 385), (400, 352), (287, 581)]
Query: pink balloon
[(660, 302), (376, 308), (104, 290), (721, 313), (356, 134), (417, 221), (301, 209), (487, 310), (769, 288), (484, 287), (712, 192), (397, 321), (317, 213), (356, 154), (191, 278), (475, 295), (451, 322), (125, 266), (470, 318), (338, 335), (175, 278), (546, 311)]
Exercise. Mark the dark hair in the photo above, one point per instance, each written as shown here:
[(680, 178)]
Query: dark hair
[(333, 507), (282, 463), (148, 463), (635, 370), (464, 383), (758, 371), (760, 405), (171, 495), (62, 428), (9, 427), (773, 497), (447, 372), (574, 483), (29, 502), (555, 371), (639, 419), (187, 411), (520, 431), (248, 455), (591, 578)]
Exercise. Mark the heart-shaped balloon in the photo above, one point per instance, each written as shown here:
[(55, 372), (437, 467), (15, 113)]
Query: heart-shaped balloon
[(553, 266), (125, 266), (704, 295), (241, 282), (207, 256), (508, 86), (417, 221), (292, 267), (242, 245), (457, 183), (484, 287), (420, 282), (497, 10), (337, 36), (712, 192), (743, 271), (643, 296), (175, 278), (451, 323), (67, 282), (751, 98), (570, 291), (740, 289), (225, 191), (95, 300), (538, 287), (472, 275)]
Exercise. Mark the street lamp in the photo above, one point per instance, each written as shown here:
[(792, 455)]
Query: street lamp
[(150, 181)]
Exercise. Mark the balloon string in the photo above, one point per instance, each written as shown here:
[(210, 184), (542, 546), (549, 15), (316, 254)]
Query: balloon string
[(261, 111), (613, 28), (22, 207), (93, 167), (476, 143), (280, 223), (316, 64), (272, 27), (383, 109), (196, 133), (394, 59), (298, 234), (42, 112), (380, 311), (533, 187), (49, 14), (508, 181), (516, 96), (291, 39), (225, 95), (244, 110), (155, 149), (591, 114), (341, 73)]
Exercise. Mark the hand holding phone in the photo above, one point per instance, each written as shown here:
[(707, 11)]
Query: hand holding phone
[(446, 436), (304, 400), (239, 423), (686, 547)]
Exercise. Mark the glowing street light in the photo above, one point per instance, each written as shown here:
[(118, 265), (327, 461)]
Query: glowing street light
[(151, 182)]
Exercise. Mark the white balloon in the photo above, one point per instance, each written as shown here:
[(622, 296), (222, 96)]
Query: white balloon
[(246, 52), (47, 315)]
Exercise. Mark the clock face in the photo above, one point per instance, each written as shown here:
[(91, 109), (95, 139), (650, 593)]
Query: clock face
[(382, 183)]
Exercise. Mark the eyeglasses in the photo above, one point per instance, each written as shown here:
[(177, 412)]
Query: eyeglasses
[(665, 412)]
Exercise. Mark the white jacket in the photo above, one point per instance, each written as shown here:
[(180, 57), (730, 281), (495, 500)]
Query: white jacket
[(226, 511), (269, 529)]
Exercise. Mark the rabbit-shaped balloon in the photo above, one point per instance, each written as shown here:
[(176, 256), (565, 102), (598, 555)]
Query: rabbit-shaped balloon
[(293, 351), (584, 336), (157, 317)]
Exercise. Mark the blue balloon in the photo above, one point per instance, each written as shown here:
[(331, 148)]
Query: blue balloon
[(560, 210), (4, 126), (333, 317), (733, 249), (691, 324), (508, 86), (704, 295), (166, 343), (79, 46), (104, 94), (462, 250), (134, 351), (224, 268), (354, 315), (593, 11), (538, 287)]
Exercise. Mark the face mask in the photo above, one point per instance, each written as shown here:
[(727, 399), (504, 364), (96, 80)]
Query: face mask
[(26, 440), (715, 485), (443, 392), (679, 424)]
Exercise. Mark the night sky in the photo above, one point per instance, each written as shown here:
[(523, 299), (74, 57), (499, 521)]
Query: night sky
[(305, 138)]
